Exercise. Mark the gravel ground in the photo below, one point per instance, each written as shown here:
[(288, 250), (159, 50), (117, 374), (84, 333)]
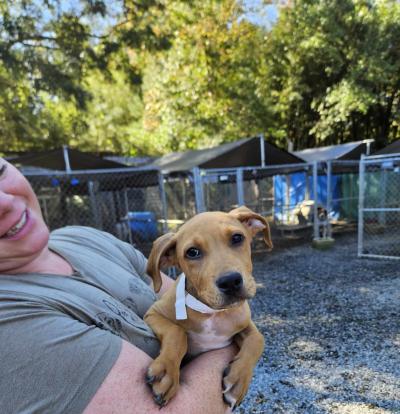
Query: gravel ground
[(331, 323)]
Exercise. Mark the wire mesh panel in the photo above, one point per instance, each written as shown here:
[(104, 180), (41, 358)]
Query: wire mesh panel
[(272, 191), (127, 203), (180, 199), (379, 207), (220, 190), (342, 192), (281, 193), (258, 193), (293, 197)]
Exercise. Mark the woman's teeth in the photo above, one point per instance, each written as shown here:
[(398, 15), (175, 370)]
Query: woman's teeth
[(15, 229)]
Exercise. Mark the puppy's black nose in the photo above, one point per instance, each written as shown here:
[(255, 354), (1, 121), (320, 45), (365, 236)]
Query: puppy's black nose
[(230, 283)]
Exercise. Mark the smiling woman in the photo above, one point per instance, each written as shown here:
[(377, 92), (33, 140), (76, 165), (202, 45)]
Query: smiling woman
[(23, 233), (72, 335)]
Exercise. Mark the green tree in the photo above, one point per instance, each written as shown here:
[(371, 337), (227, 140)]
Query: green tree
[(332, 70), (113, 115), (203, 90), (48, 50), (17, 122)]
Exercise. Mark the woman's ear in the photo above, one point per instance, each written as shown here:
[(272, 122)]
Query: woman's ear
[(162, 255), (255, 222)]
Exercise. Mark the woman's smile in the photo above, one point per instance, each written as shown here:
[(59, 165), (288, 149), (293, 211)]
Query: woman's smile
[(19, 229)]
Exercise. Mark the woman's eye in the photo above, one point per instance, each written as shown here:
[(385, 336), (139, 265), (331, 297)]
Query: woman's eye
[(3, 169), (237, 239), (193, 253)]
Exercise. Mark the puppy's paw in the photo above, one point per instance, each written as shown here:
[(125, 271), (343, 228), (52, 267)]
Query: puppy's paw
[(235, 383), (163, 378)]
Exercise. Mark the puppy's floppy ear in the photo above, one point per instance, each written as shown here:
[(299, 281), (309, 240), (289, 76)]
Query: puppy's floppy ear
[(162, 255), (254, 221)]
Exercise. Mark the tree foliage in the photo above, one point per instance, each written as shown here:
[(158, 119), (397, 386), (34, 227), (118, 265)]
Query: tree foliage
[(153, 76), (203, 90), (48, 51), (333, 70)]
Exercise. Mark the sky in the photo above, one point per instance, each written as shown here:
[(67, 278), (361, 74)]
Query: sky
[(260, 13), (257, 12)]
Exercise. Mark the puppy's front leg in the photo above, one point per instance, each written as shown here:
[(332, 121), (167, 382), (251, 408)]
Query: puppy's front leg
[(237, 376), (163, 373)]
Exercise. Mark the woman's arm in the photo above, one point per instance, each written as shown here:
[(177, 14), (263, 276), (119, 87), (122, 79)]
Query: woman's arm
[(124, 390)]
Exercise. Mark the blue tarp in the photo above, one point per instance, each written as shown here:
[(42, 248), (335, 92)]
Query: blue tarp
[(298, 189)]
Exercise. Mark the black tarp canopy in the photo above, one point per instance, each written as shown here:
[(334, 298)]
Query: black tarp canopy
[(344, 158), (65, 166), (342, 152), (65, 159), (393, 148), (243, 153)]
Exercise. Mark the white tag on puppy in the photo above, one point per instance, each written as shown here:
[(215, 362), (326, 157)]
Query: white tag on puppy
[(184, 299)]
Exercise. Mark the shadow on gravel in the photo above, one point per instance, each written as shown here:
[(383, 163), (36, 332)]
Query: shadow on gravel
[(331, 323)]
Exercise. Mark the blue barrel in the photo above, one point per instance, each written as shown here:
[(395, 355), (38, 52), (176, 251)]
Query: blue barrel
[(143, 225)]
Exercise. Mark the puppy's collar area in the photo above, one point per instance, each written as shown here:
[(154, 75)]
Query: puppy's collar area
[(185, 299)]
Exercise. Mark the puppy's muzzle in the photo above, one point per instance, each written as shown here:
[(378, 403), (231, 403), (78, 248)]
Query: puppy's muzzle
[(231, 284)]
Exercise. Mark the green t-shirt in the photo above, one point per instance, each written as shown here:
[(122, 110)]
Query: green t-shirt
[(60, 335)]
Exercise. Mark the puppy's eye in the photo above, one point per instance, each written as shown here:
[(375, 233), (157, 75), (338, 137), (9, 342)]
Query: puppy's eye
[(237, 239), (193, 253)]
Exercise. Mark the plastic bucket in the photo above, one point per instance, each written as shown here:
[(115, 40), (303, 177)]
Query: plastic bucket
[(143, 225)]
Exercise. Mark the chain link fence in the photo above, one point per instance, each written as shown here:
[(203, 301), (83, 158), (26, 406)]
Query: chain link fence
[(270, 191), (342, 190), (281, 193), (128, 203), (310, 200), (180, 199), (379, 207), (137, 205)]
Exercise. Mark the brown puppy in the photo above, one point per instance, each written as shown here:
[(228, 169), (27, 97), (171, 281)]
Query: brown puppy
[(207, 306)]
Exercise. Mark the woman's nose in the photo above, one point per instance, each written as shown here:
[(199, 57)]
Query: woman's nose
[(6, 203)]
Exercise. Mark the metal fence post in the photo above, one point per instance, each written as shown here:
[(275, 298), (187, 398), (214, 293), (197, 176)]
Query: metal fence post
[(329, 196), (239, 186), (361, 187), (164, 207), (307, 190), (262, 150), (384, 185), (66, 159), (126, 216), (198, 190), (315, 189), (126, 201), (94, 204), (288, 205)]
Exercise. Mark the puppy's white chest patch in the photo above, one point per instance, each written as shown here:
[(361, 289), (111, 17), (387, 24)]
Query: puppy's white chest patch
[(209, 337)]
